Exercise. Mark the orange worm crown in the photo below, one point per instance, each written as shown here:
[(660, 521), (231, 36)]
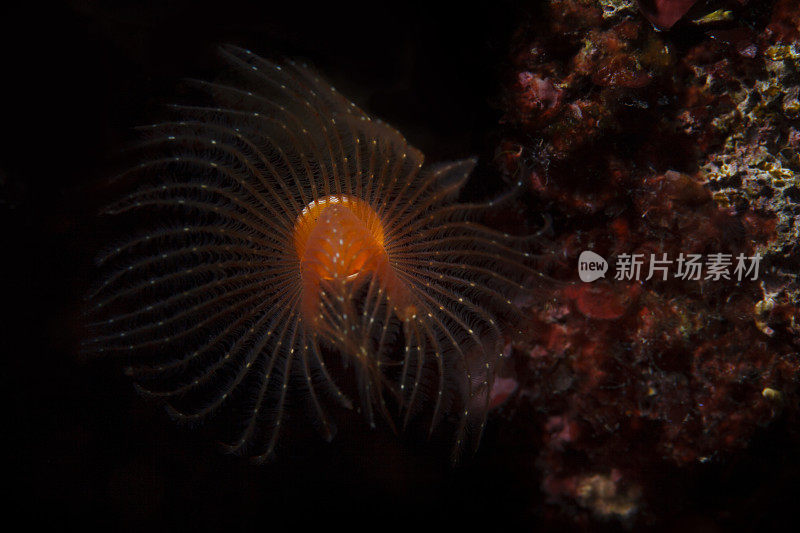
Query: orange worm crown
[(289, 241)]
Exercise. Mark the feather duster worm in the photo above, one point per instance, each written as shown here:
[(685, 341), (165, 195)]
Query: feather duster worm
[(283, 227)]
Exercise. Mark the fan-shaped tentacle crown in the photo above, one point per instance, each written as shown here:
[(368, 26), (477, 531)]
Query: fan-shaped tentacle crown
[(278, 223)]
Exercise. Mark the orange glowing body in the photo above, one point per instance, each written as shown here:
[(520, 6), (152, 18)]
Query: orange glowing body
[(339, 241)]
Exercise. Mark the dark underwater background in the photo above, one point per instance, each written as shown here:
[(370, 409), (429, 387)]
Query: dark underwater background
[(89, 452)]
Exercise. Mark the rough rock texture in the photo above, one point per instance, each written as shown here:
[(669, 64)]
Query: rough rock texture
[(639, 141)]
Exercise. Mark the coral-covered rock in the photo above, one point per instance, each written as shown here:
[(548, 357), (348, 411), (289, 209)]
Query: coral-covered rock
[(657, 145)]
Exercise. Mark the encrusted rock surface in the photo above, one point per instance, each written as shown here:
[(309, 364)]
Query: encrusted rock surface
[(640, 141)]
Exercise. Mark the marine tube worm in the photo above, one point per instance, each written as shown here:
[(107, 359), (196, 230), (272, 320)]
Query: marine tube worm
[(287, 242)]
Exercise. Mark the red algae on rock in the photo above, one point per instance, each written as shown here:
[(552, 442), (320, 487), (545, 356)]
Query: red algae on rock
[(644, 142), (603, 301)]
